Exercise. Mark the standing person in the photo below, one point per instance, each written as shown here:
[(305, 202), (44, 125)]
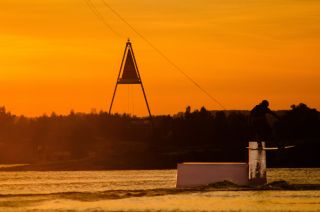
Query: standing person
[(259, 123)]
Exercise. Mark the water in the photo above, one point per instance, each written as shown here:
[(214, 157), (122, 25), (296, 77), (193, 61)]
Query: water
[(152, 190)]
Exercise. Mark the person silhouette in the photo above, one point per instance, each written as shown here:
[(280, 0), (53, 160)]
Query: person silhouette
[(259, 123)]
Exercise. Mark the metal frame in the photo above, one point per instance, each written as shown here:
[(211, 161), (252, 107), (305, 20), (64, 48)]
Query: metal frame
[(129, 46)]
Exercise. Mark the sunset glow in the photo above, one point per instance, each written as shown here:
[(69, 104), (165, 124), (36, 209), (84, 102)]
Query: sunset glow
[(56, 55)]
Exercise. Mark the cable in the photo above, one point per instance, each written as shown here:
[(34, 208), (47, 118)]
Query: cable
[(132, 95), (128, 99), (163, 55), (96, 12)]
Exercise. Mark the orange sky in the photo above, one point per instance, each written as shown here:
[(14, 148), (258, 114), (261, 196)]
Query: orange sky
[(55, 55)]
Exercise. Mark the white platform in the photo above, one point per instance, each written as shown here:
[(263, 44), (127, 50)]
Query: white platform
[(199, 174), (257, 164)]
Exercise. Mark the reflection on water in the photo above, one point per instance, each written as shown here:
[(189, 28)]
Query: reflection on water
[(150, 190), (295, 176), (84, 181), (11, 165)]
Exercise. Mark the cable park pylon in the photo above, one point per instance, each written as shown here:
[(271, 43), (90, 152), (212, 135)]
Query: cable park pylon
[(100, 16), (129, 74)]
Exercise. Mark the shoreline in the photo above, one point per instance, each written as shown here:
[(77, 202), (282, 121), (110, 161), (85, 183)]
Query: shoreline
[(77, 165)]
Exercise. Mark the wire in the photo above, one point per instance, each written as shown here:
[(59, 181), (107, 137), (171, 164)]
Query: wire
[(162, 54), (132, 95), (96, 12), (128, 99)]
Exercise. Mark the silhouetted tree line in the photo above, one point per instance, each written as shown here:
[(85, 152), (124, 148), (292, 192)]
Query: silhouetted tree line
[(99, 140)]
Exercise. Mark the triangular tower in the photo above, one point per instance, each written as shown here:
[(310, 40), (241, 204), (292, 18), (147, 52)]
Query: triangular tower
[(129, 74)]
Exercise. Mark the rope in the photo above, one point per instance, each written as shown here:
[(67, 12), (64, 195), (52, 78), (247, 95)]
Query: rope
[(96, 12), (132, 95), (128, 109), (163, 55)]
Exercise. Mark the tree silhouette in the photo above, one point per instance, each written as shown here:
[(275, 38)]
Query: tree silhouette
[(125, 141)]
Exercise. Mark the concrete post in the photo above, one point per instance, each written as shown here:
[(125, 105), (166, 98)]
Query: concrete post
[(257, 164)]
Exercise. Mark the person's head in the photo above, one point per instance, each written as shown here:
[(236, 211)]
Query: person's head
[(265, 103)]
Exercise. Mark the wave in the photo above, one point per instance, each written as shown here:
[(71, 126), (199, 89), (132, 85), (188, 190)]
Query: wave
[(121, 194)]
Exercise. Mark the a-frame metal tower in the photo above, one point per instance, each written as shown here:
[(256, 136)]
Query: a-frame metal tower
[(129, 74)]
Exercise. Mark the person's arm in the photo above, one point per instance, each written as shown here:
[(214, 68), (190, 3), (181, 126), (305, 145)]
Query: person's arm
[(273, 113)]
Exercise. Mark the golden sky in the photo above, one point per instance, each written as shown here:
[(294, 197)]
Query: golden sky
[(56, 55)]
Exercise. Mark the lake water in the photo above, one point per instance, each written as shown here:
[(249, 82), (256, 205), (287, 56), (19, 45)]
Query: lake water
[(151, 190)]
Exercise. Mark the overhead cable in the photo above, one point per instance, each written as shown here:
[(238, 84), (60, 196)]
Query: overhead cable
[(162, 54), (96, 12)]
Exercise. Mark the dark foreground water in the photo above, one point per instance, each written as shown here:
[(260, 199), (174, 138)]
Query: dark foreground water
[(154, 190)]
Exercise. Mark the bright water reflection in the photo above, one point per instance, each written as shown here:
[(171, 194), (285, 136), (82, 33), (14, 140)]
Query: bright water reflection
[(146, 191)]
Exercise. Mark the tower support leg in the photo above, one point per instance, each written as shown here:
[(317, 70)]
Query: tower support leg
[(114, 94), (145, 98)]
